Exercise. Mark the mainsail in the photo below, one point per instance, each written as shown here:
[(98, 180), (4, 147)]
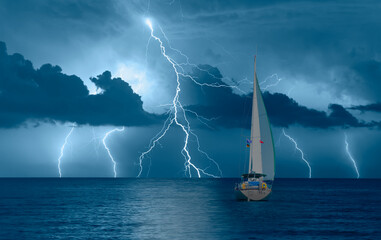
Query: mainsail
[(261, 147)]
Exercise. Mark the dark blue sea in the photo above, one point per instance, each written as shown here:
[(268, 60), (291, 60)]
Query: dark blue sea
[(43, 208)]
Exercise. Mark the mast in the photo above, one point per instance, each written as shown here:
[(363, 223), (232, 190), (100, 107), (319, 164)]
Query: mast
[(255, 161)]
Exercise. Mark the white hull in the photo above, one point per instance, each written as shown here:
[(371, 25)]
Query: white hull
[(253, 194)]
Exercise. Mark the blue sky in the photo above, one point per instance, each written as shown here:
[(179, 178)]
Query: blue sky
[(93, 65)]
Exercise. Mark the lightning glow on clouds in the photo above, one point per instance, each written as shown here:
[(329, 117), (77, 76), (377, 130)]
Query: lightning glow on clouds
[(135, 76)]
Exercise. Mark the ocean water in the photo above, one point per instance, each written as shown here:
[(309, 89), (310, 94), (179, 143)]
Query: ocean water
[(187, 209)]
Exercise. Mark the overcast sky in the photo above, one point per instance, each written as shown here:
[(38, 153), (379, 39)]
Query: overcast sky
[(93, 65)]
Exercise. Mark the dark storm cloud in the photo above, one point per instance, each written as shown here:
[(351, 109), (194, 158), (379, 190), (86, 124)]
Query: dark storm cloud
[(284, 111), (46, 94), (232, 110), (368, 74), (63, 18), (374, 107), (320, 41), (68, 33)]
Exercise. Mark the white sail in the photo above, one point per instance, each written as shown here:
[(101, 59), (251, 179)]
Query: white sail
[(258, 186), (261, 147)]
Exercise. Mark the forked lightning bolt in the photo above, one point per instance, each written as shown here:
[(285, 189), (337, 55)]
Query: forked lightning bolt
[(297, 148), (181, 65), (177, 111), (202, 119), (108, 150), (62, 150), (263, 84), (278, 79), (350, 156)]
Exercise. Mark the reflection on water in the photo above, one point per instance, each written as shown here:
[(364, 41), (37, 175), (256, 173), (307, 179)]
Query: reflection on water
[(187, 209)]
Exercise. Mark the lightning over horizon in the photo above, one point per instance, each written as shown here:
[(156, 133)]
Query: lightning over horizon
[(177, 111), (62, 150), (178, 76), (300, 150), (108, 149), (350, 155)]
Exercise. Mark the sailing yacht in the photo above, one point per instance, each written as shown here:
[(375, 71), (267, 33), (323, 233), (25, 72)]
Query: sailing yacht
[(256, 184)]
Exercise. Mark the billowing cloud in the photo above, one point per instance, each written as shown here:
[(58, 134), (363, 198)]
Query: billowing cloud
[(47, 94)]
